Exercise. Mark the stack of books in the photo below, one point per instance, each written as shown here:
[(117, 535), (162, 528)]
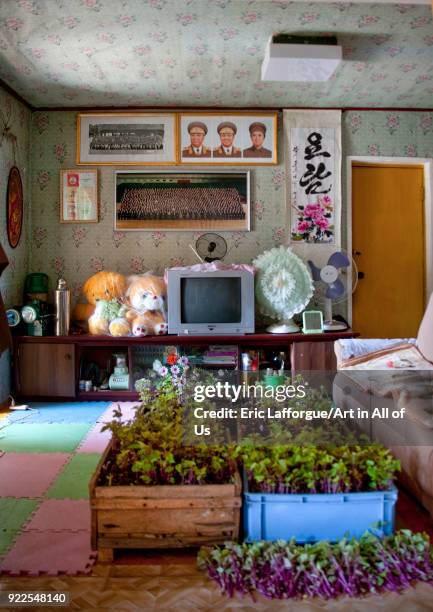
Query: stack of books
[(221, 355)]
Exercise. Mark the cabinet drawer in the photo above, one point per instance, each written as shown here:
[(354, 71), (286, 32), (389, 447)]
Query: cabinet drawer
[(313, 356), (46, 370)]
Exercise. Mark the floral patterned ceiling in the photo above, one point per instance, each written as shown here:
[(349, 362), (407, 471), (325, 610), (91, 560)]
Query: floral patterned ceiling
[(188, 53)]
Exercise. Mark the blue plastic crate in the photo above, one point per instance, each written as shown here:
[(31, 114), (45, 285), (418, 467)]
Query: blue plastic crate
[(321, 516)]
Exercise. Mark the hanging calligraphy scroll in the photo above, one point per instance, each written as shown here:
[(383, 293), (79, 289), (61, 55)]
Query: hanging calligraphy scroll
[(313, 169)]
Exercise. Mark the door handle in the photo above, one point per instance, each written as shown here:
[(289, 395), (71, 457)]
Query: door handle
[(357, 253)]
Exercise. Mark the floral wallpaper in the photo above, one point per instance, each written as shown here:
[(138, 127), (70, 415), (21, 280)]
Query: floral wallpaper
[(14, 154), (11, 280), (76, 251), (209, 53)]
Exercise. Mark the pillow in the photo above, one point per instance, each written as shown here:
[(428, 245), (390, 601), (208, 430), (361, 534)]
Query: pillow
[(425, 333), (356, 347)]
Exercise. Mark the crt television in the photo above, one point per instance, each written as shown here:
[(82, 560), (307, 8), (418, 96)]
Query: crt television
[(210, 302)]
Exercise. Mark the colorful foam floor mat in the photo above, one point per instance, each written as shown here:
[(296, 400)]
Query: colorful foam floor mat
[(47, 457)]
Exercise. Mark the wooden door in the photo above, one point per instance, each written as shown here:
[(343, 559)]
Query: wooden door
[(46, 370), (388, 245)]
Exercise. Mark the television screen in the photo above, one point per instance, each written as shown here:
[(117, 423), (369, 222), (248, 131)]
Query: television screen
[(210, 300)]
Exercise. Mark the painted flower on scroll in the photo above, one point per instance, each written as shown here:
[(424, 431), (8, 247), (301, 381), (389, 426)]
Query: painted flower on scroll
[(314, 221)]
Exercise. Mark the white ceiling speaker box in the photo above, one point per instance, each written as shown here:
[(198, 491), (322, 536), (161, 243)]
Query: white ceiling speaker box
[(301, 58)]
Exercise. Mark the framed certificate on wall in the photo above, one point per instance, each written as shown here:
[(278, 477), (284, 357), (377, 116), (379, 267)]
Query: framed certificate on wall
[(78, 196)]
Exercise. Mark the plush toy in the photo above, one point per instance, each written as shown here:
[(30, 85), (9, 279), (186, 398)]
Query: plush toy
[(145, 297), (104, 291)]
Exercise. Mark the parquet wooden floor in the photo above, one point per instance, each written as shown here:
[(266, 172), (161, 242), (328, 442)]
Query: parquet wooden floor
[(182, 587)]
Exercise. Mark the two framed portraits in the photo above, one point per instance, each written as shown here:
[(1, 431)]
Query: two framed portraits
[(147, 139)]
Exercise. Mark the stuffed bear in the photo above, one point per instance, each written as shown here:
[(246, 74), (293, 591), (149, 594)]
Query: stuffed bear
[(104, 291), (145, 297)]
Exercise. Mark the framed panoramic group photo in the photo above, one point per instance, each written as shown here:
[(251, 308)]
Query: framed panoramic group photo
[(126, 138), (182, 200), (233, 138)]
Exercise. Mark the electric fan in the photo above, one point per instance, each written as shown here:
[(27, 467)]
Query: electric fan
[(283, 287), (333, 283), (211, 247)]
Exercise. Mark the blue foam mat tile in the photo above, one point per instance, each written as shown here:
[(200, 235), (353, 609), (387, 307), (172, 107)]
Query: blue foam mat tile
[(62, 412)]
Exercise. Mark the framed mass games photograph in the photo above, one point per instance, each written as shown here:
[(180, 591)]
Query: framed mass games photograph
[(198, 200), (230, 139), (126, 139)]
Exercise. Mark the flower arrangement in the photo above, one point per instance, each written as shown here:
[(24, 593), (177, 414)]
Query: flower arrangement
[(174, 373), (283, 570), (313, 222)]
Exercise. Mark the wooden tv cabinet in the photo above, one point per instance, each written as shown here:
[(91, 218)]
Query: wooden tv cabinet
[(48, 367)]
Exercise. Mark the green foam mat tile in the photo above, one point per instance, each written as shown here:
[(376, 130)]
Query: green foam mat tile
[(42, 437), (7, 537), (73, 482), (14, 512)]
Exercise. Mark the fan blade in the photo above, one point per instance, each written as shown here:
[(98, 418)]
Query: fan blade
[(315, 271), (335, 290), (339, 260)]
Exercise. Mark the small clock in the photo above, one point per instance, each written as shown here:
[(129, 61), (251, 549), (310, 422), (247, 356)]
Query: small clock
[(312, 322)]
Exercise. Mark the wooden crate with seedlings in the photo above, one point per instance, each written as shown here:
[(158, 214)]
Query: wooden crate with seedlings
[(162, 516)]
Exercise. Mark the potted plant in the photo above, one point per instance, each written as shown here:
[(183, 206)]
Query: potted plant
[(314, 479), (311, 493), (151, 490)]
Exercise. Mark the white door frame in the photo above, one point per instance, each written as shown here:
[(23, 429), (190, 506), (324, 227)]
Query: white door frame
[(428, 208)]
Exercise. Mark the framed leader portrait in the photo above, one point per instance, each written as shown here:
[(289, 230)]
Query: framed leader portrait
[(232, 139)]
